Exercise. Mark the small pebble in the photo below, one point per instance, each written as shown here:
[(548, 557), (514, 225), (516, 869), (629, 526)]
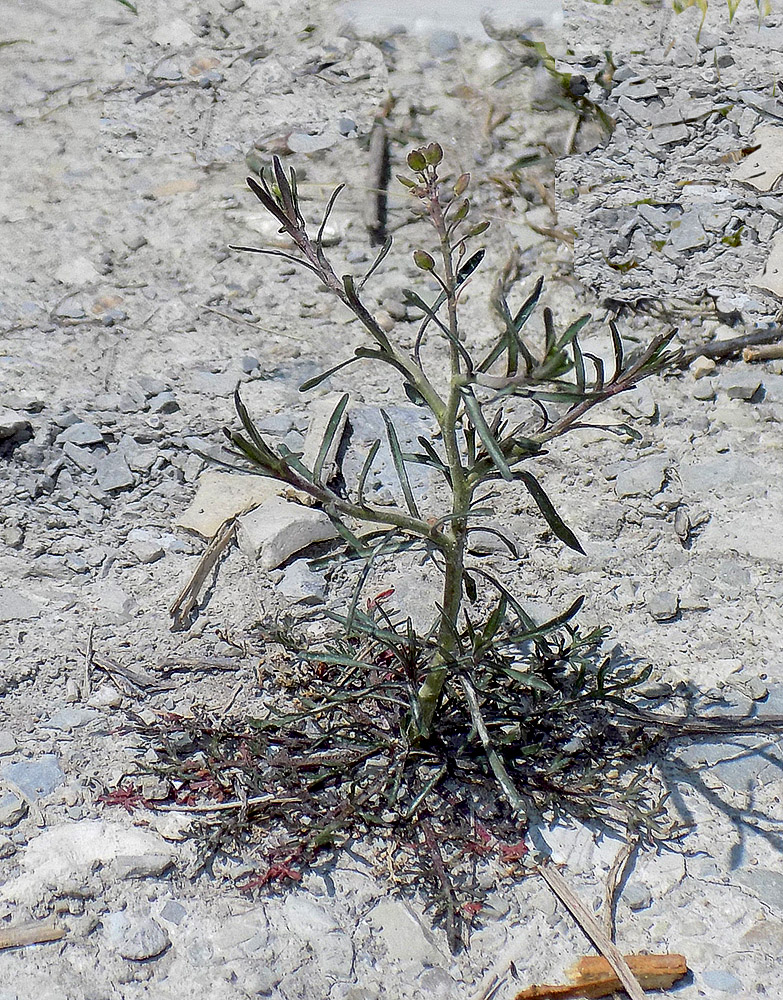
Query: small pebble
[(81, 433), (164, 402), (663, 605), (702, 366)]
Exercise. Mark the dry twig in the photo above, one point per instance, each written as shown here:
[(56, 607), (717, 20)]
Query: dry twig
[(768, 352), (187, 598), (720, 349), (591, 928), (35, 932)]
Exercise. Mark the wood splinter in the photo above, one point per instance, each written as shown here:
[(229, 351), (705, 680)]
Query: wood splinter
[(766, 352), (593, 977), (35, 932)]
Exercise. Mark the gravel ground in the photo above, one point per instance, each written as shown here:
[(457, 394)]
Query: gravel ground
[(126, 325)]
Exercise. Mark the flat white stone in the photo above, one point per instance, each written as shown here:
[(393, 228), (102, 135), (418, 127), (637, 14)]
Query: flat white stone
[(278, 528), (73, 849), (222, 495), (78, 271), (763, 168), (771, 277)]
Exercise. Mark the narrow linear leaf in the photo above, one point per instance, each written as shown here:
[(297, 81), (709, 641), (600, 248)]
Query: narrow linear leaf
[(295, 194), (470, 587), (515, 800), (353, 611), (470, 444), (435, 458), (311, 383), (260, 459), (367, 319), (275, 253), (573, 330), (250, 427), (519, 611), (414, 806), (510, 341), (422, 458), (552, 397), (327, 212), (332, 426), (498, 534), (295, 462), (486, 363), (399, 465), (565, 616), (528, 306), (265, 196), (579, 365), (413, 394), (495, 620), (473, 512), (381, 255), (598, 364), (470, 266), (549, 332), (366, 466), (528, 679), (342, 529), (338, 659), (552, 518), (473, 407), (617, 344), (430, 312), (286, 195)]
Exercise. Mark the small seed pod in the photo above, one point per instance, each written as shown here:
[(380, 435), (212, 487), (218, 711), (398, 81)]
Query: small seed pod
[(462, 211), (461, 186), (423, 260)]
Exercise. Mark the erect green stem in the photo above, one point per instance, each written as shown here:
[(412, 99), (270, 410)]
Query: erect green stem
[(453, 550), (448, 648)]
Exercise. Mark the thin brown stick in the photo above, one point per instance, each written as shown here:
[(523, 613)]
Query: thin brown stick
[(765, 353), (35, 932), (187, 598), (613, 879), (591, 928), (131, 681), (88, 665), (378, 172), (248, 322), (231, 699), (721, 349)]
